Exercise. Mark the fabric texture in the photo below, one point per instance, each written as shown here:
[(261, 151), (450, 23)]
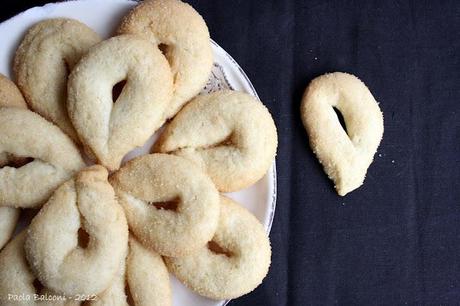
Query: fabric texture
[(395, 240)]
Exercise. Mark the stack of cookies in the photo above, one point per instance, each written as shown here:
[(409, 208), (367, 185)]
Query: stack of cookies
[(107, 233)]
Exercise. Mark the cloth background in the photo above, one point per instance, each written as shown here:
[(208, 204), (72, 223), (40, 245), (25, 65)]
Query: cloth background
[(395, 240)]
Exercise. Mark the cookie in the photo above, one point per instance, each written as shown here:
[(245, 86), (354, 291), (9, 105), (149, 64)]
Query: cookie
[(43, 61), (345, 154), (110, 129), (53, 157), (172, 207), (8, 218), (143, 280), (77, 241), (183, 37), (17, 280), (233, 263), (10, 96), (229, 134)]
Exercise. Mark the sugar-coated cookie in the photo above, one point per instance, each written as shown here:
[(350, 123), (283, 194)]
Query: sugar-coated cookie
[(233, 263), (230, 134), (43, 61), (10, 96), (182, 35), (345, 155), (55, 158), (172, 206), (78, 240), (110, 129), (17, 280), (143, 280), (8, 218)]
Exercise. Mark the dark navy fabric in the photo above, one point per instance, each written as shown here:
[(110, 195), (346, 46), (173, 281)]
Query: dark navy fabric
[(395, 240)]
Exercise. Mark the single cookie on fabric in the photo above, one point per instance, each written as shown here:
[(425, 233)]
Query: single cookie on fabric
[(143, 280), (9, 217), (172, 206), (108, 128), (233, 263), (51, 155), (10, 96), (77, 241), (17, 280), (345, 154), (43, 61), (183, 37), (229, 134)]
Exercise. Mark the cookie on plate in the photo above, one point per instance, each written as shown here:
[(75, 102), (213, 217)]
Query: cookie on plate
[(229, 134)]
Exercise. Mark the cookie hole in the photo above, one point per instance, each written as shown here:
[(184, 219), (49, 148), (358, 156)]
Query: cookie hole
[(83, 238), (167, 205), (129, 295), (117, 89), (164, 48), (217, 249), (16, 162), (37, 285), (341, 119), (227, 142)]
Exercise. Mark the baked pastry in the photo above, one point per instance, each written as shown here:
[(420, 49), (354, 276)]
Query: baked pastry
[(233, 263), (143, 280), (9, 216), (344, 154), (43, 61), (17, 280), (10, 96), (172, 207), (78, 240), (110, 129), (229, 134), (53, 158), (183, 37)]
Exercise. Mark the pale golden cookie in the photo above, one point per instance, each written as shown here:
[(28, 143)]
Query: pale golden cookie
[(10, 96), (172, 207), (108, 129), (144, 280), (345, 155), (43, 62), (8, 218), (17, 280), (55, 158), (229, 134), (234, 263), (63, 262), (182, 35)]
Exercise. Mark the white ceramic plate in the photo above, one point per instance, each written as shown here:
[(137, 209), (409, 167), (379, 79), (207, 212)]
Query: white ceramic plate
[(104, 16)]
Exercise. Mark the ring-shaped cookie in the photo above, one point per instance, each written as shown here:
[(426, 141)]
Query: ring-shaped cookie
[(181, 33), (60, 261), (172, 207), (344, 154), (143, 280), (56, 158), (10, 96), (234, 263), (108, 129), (17, 280), (43, 61), (230, 134)]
